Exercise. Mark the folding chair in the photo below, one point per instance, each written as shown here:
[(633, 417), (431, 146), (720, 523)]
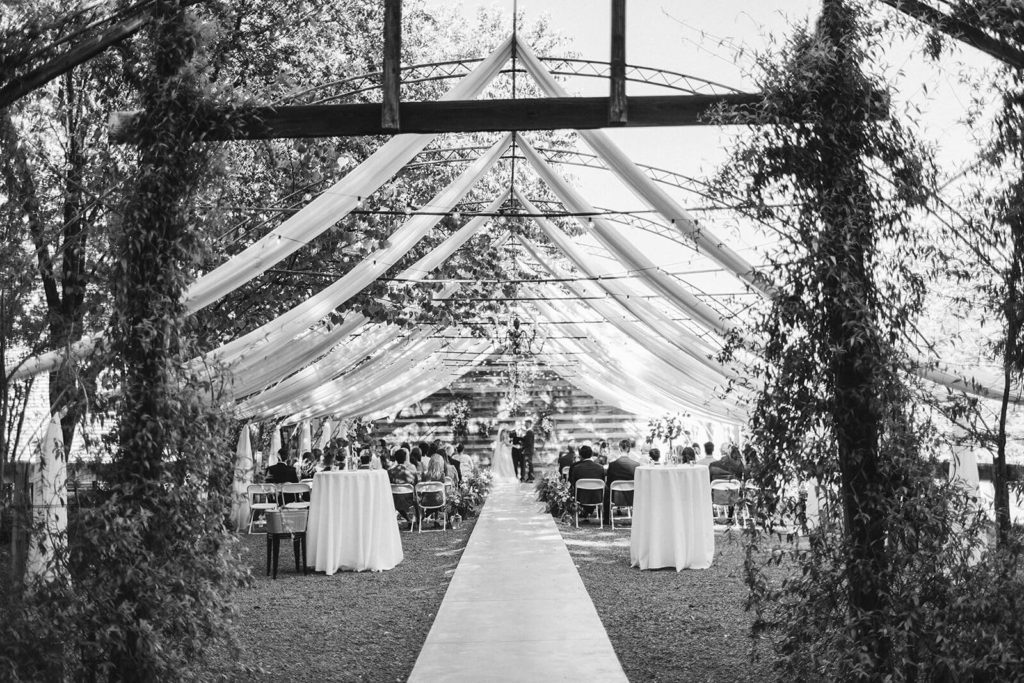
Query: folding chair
[(589, 492), (621, 493), (262, 498), (725, 494), (295, 496), (286, 524), (404, 497), (430, 495)]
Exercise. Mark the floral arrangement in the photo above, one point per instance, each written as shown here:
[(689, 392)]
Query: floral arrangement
[(469, 496), (457, 414), (556, 494)]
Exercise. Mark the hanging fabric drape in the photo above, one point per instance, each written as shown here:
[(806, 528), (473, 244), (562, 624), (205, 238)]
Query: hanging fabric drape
[(298, 230), (646, 189), (337, 201), (48, 546), (656, 374), (649, 314), (625, 251), (373, 266), (242, 479), (647, 336), (275, 445)]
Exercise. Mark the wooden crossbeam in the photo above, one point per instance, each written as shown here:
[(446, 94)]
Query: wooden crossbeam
[(459, 116)]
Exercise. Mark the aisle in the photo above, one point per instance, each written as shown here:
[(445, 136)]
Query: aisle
[(516, 609)]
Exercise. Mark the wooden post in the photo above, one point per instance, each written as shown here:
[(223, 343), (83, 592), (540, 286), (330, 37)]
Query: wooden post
[(618, 109), (392, 65)]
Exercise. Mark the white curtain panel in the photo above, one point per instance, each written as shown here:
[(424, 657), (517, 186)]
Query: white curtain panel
[(49, 506)]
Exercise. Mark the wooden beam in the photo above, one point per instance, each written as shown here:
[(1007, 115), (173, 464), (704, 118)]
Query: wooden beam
[(392, 84), (458, 116), (618, 108), (960, 30)]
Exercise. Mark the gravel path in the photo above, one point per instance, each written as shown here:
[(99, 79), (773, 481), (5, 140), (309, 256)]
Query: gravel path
[(351, 626), (664, 625)]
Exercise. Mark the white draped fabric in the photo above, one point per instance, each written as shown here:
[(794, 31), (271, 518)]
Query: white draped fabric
[(305, 438), (351, 524), (373, 266), (646, 189), (672, 523), (275, 445), (49, 506), (651, 338), (625, 251), (624, 296), (243, 477), (326, 432), (337, 201)]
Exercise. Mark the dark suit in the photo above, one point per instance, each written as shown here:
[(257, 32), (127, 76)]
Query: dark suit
[(585, 469), (526, 469), (517, 454), (282, 473), (621, 469)]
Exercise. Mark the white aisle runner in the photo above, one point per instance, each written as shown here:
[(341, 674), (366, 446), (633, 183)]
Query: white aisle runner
[(516, 608)]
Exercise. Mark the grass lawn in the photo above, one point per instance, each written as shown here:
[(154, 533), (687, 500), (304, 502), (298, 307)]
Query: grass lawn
[(350, 626), (664, 625)]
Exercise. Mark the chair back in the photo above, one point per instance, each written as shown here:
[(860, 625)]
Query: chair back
[(295, 493), (403, 496), (725, 492), (589, 491), (261, 493), (622, 493), (430, 494), (287, 521)]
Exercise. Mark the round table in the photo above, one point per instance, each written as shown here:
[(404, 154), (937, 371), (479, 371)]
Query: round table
[(672, 522), (352, 523)]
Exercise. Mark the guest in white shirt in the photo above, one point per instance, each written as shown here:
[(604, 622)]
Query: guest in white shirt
[(709, 454)]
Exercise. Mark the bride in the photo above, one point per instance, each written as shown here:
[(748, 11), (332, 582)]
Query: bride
[(501, 459)]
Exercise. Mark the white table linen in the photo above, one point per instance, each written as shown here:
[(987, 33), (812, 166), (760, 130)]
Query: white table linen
[(352, 522), (672, 522)]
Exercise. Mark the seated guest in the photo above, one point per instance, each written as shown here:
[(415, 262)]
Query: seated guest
[(451, 468), (402, 473), (622, 469), (328, 460), (687, 455), (435, 472), (709, 454), (654, 455), (565, 460), (728, 467), (449, 456), (585, 468), (602, 453), (416, 460), (283, 472)]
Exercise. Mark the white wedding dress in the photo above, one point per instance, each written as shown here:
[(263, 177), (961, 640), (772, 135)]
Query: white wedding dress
[(501, 461)]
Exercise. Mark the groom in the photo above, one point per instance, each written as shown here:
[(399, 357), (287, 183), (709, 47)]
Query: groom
[(526, 467), (517, 453)]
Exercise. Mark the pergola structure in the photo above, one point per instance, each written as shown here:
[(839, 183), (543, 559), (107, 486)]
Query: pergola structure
[(297, 366)]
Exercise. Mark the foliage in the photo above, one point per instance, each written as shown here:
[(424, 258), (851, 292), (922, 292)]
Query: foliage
[(472, 491), (861, 601), (556, 494), (667, 427)]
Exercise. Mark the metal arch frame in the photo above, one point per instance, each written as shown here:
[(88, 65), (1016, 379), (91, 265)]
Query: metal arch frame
[(449, 155), (561, 66)]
